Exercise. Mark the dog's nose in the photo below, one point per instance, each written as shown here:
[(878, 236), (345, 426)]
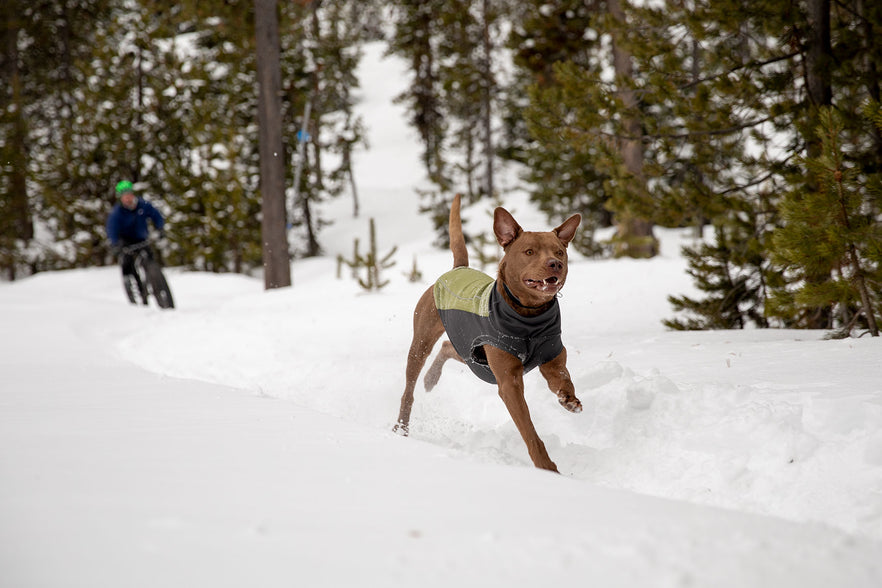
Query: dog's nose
[(555, 264)]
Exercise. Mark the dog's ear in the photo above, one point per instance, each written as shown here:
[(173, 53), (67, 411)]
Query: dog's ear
[(505, 227), (567, 230)]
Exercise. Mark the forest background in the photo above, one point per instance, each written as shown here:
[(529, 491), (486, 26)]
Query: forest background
[(757, 123)]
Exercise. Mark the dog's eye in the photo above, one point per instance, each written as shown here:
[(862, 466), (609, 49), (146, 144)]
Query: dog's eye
[(528, 252), (560, 253)]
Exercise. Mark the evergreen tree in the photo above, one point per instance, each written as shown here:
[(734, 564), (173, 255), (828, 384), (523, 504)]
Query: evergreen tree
[(454, 96), (634, 236), (469, 58), (462, 91), (732, 271), (72, 127), (561, 176), (764, 73), (417, 23), (724, 109), (717, 153), (575, 108), (834, 232), (322, 49), (161, 94), (202, 159)]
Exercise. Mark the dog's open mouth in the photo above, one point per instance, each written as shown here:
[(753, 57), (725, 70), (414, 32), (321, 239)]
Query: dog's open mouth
[(551, 284)]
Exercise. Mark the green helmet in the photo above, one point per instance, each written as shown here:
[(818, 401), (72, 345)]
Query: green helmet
[(123, 187)]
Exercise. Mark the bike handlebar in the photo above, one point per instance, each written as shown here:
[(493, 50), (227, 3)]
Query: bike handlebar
[(135, 247)]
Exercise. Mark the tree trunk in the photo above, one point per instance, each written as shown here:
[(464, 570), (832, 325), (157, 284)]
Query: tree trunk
[(818, 54), (312, 244), (486, 99), (634, 236), (276, 262), (861, 285), (818, 60), (854, 260), (347, 163), (17, 223)]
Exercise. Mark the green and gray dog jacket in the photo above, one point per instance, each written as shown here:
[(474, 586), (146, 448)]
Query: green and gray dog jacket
[(474, 315)]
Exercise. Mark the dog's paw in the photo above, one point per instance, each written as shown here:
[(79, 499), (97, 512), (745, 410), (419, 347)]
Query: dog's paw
[(570, 402), (401, 429)]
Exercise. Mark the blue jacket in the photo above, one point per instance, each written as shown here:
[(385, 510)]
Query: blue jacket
[(474, 315), (130, 226)]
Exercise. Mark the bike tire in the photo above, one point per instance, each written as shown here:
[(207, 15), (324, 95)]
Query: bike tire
[(131, 287), (159, 286), (143, 288)]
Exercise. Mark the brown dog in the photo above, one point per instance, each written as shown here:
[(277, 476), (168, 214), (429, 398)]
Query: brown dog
[(499, 329)]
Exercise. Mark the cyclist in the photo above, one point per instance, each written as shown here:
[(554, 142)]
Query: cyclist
[(127, 226)]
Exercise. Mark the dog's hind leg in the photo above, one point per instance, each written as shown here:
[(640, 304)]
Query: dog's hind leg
[(427, 329), (434, 373)]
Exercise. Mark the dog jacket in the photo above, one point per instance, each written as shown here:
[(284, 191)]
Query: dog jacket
[(474, 315)]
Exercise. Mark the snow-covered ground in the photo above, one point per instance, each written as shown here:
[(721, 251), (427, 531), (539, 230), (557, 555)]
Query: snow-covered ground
[(244, 439)]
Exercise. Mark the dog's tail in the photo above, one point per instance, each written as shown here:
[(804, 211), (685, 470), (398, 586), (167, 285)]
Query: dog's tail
[(457, 240)]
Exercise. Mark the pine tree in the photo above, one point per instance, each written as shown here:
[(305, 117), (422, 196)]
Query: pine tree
[(73, 129), (560, 174), (463, 92), (729, 95), (162, 93), (454, 97), (322, 49), (602, 120), (203, 168), (834, 233), (417, 23), (469, 60), (732, 272)]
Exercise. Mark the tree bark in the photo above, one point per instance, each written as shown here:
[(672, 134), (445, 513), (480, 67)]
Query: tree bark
[(818, 54), (854, 260), (861, 285), (18, 223), (487, 100), (276, 261), (634, 235), (818, 59)]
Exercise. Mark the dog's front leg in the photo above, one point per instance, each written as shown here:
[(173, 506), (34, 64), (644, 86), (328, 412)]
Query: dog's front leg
[(509, 373), (557, 375)]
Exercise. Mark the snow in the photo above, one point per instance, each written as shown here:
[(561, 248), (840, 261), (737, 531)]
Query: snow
[(244, 439)]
